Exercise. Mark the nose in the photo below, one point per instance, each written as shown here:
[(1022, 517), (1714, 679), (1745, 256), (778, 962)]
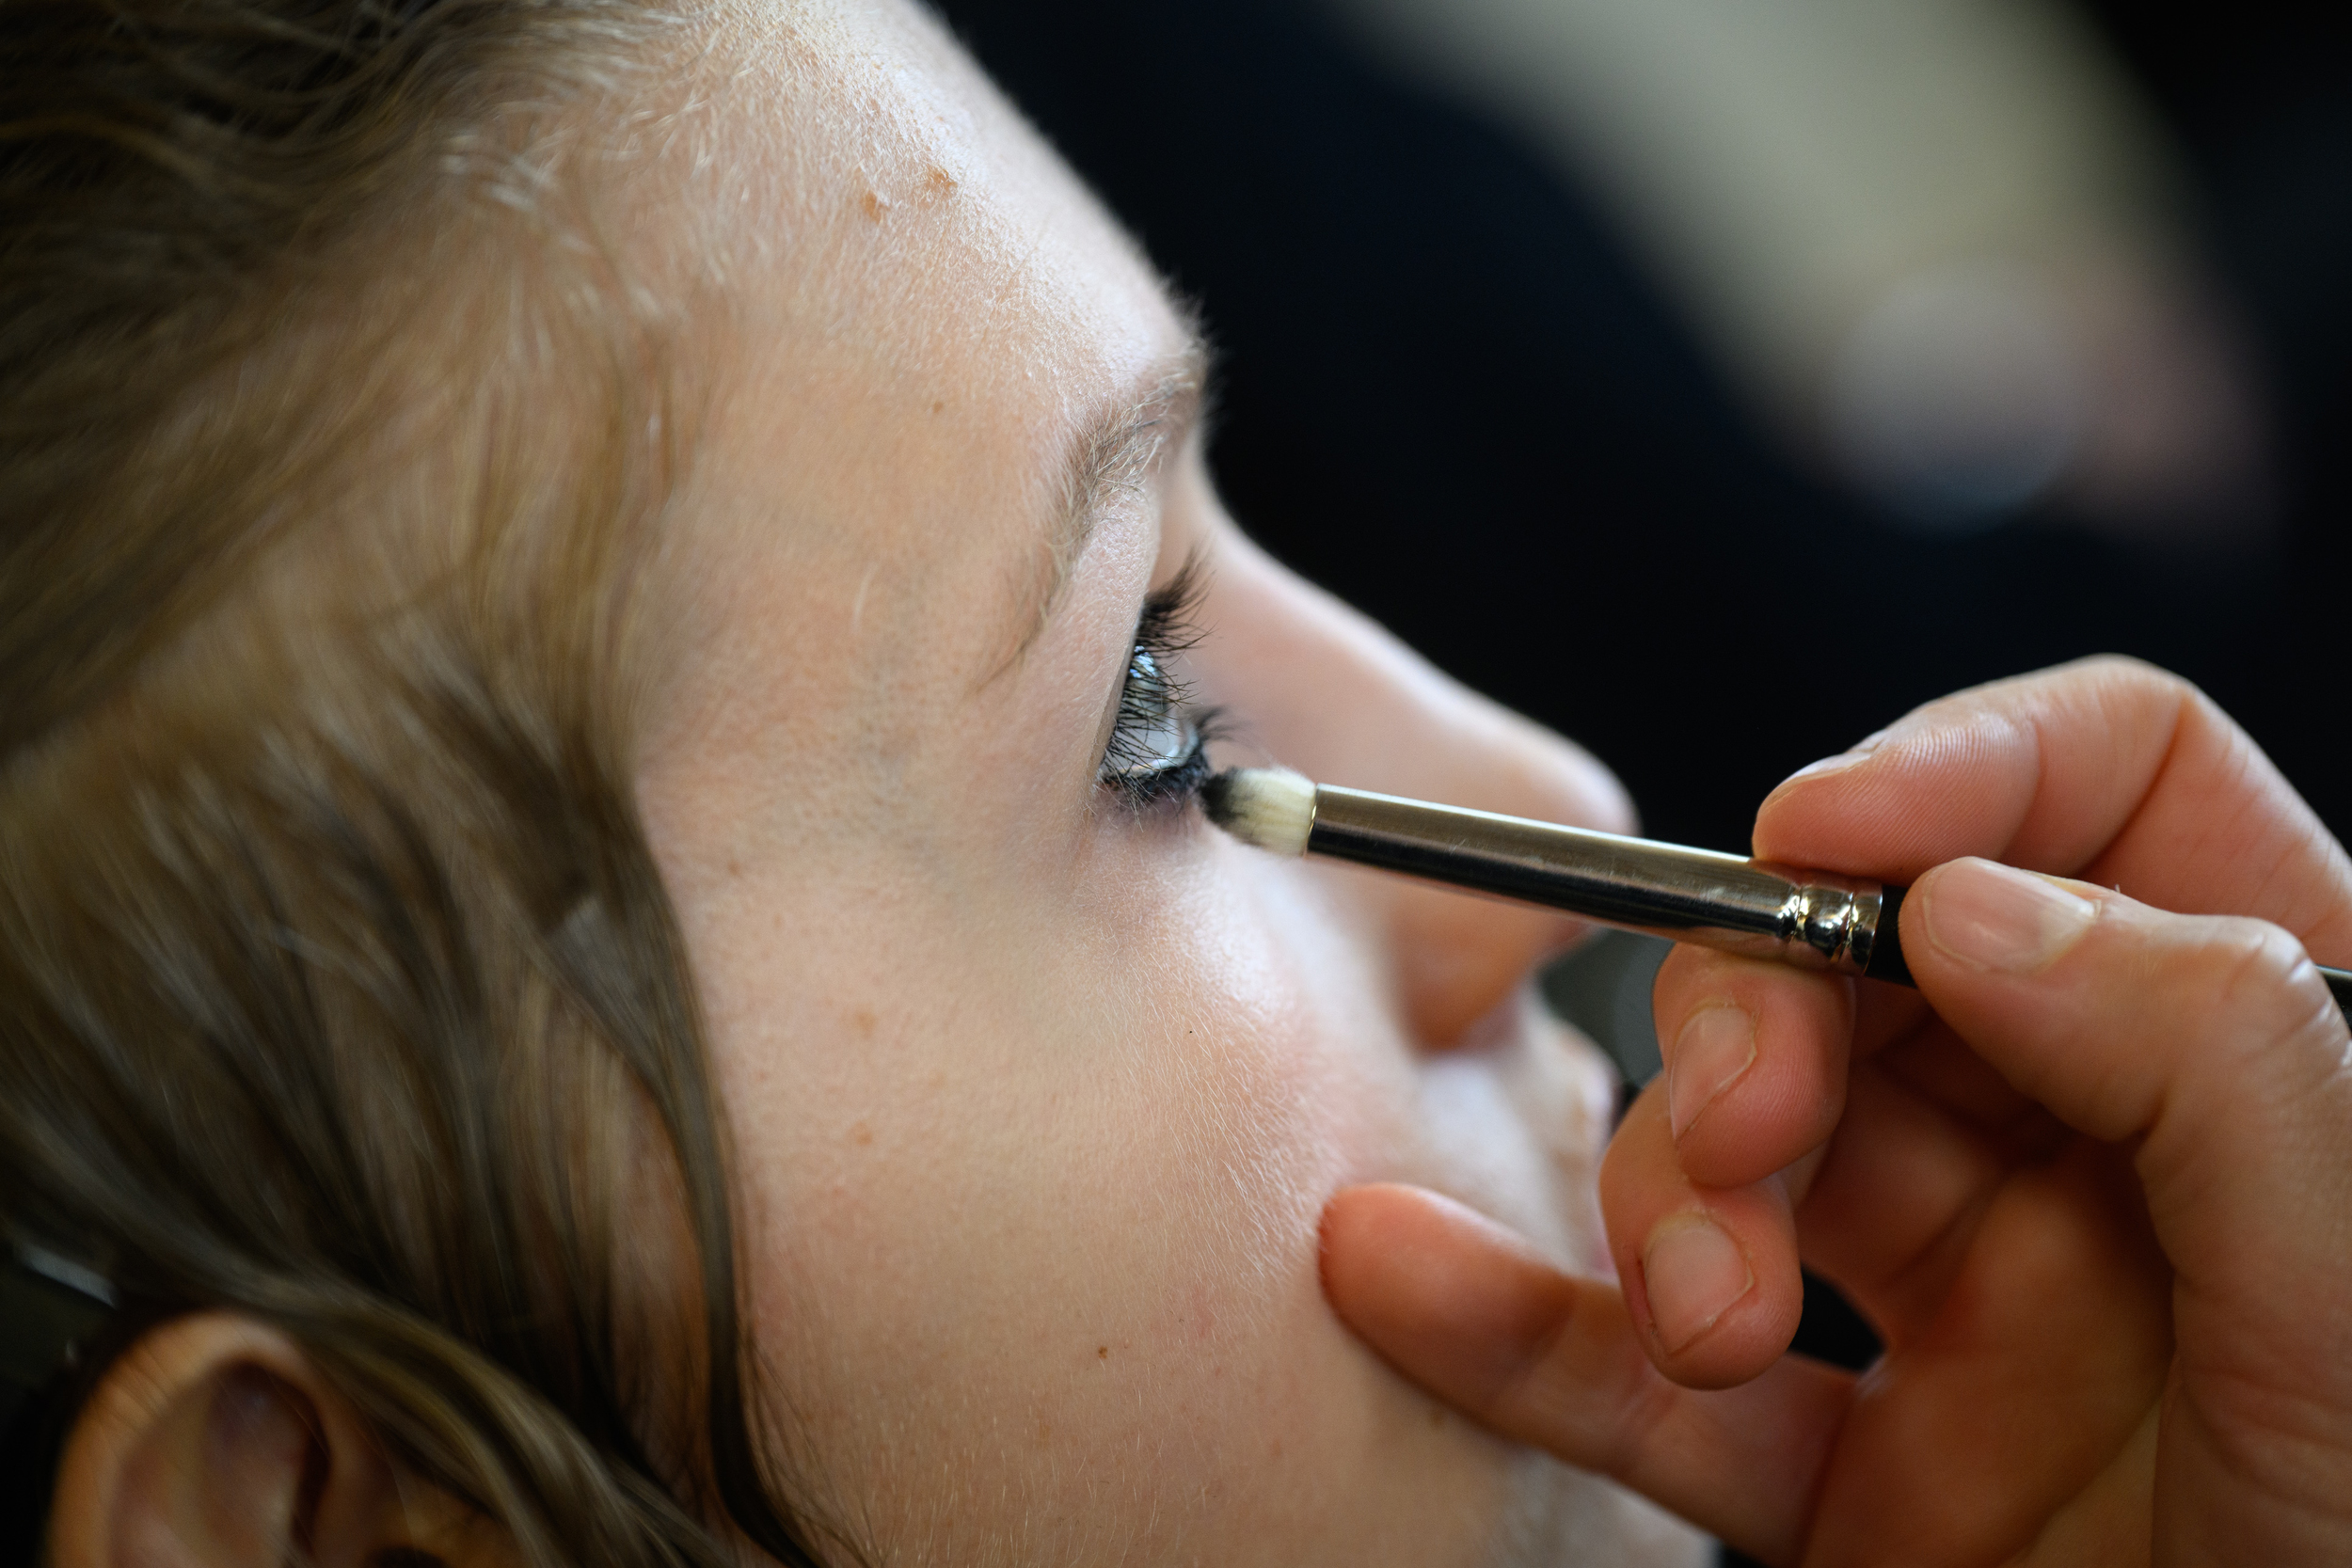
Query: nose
[(1327, 691)]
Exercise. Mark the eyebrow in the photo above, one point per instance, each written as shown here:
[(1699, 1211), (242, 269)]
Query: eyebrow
[(1117, 450)]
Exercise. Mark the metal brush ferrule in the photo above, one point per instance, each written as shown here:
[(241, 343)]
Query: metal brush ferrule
[(1716, 900), (1828, 922)]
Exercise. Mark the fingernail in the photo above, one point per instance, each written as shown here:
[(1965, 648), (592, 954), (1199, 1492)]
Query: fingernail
[(1998, 917), (1860, 750), (1713, 1050), (1694, 1273)]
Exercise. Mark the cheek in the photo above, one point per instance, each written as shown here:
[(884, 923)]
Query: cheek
[(1286, 1078), (1517, 1119), (1033, 1218)]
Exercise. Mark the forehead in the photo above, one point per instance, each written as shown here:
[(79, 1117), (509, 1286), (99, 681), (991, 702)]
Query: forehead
[(910, 313), (885, 214)]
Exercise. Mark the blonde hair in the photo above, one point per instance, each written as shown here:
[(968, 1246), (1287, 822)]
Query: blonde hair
[(337, 986)]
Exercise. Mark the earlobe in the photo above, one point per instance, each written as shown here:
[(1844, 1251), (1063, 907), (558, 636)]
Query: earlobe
[(213, 1443)]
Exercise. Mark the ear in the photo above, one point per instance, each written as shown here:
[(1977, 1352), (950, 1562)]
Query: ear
[(213, 1443)]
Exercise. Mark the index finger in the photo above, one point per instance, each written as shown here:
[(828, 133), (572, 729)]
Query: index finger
[(2106, 770)]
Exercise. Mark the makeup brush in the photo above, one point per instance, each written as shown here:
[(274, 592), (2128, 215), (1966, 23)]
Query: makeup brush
[(1844, 923)]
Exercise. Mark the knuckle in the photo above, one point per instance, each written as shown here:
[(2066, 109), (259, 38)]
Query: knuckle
[(2136, 669), (2257, 977), (2122, 685), (2257, 960), (2142, 680), (1689, 968)]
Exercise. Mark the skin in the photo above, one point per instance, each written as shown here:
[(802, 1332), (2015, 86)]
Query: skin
[(2093, 1199), (1072, 1140), (1037, 1097), (1033, 1096)]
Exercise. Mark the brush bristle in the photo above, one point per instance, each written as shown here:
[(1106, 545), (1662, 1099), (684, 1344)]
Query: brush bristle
[(1270, 807)]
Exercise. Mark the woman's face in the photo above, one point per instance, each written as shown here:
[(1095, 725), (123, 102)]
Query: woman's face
[(1037, 1093)]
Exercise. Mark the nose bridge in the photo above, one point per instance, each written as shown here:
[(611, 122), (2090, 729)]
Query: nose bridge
[(1335, 696)]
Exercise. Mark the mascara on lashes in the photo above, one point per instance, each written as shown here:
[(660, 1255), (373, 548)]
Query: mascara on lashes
[(1158, 749)]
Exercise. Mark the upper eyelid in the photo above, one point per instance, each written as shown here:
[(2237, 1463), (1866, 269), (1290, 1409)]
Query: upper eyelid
[(1122, 446), (1165, 621)]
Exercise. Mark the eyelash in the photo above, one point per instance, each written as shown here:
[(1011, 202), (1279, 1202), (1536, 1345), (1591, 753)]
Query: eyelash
[(1137, 764)]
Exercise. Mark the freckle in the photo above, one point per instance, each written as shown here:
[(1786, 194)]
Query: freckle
[(1044, 1431), (875, 204), (735, 867), (939, 407), (861, 1135), (862, 1021), (939, 180), (1101, 1353)]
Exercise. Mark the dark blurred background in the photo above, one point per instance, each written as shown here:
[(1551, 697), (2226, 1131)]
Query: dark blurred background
[(1468, 386)]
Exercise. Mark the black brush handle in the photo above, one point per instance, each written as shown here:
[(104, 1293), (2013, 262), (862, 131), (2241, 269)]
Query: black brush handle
[(2339, 986), (1886, 943)]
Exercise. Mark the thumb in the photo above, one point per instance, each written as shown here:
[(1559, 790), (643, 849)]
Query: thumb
[(2213, 1046), (1471, 1312)]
